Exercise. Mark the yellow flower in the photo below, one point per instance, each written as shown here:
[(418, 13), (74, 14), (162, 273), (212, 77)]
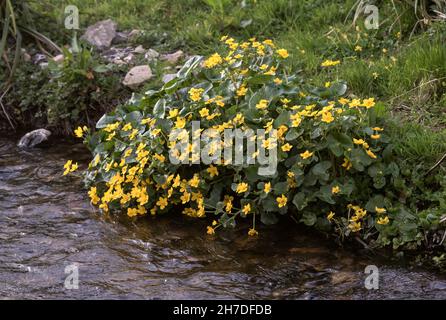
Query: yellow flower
[(180, 123), (343, 101), (267, 187), (269, 42), (380, 210), (210, 230), (263, 104), (214, 223), (133, 134), (330, 215), (93, 195), (355, 103), (213, 60), (371, 154), (263, 67), (287, 147), (127, 127), (278, 81), (377, 129), (375, 136), (111, 136), (335, 190), (162, 203), (242, 91), (347, 164), (213, 171), (172, 113), (327, 117), (79, 132), (281, 201), (383, 220), (159, 157), (204, 112), (330, 63), (246, 208), (355, 226), (195, 181), (195, 94), (242, 187), (306, 154), (283, 53), (358, 141), (132, 212), (358, 48), (67, 167), (252, 232), (369, 103)]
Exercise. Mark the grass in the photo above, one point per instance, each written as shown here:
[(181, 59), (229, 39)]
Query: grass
[(401, 66)]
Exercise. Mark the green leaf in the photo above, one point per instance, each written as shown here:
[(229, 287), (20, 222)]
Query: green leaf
[(160, 109), (320, 170), (300, 201), (268, 218), (309, 218)]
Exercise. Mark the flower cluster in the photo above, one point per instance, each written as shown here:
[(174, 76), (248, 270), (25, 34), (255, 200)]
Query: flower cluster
[(330, 150)]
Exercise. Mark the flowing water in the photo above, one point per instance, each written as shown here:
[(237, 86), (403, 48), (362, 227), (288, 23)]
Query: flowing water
[(47, 224)]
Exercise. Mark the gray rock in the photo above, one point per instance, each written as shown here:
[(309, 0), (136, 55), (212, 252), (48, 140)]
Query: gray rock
[(134, 33), (116, 54), (151, 55), (137, 75), (39, 58), (121, 37), (129, 58), (168, 77), (59, 58), (101, 34), (173, 57), (34, 138), (139, 49)]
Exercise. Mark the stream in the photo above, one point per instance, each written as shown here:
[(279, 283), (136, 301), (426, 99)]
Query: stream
[(47, 224)]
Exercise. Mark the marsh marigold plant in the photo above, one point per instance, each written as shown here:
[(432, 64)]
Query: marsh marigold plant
[(334, 157)]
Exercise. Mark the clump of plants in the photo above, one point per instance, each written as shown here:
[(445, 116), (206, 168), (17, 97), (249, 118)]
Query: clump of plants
[(77, 90), (336, 169)]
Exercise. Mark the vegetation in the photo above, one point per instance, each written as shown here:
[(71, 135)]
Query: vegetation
[(400, 64)]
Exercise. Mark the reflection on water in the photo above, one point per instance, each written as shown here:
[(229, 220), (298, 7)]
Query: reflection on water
[(47, 223)]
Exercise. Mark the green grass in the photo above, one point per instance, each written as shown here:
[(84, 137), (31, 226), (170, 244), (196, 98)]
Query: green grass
[(409, 76)]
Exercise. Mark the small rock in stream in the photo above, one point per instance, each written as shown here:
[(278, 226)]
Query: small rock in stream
[(33, 138)]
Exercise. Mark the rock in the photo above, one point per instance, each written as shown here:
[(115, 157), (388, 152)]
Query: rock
[(59, 58), (151, 55), (116, 54), (134, 33), (25, 55), (173, 57), (139, 49), (129, 58), (101, 34), (39, 58), (168, 77), (137, 75), (121, 37), (33, 138)]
